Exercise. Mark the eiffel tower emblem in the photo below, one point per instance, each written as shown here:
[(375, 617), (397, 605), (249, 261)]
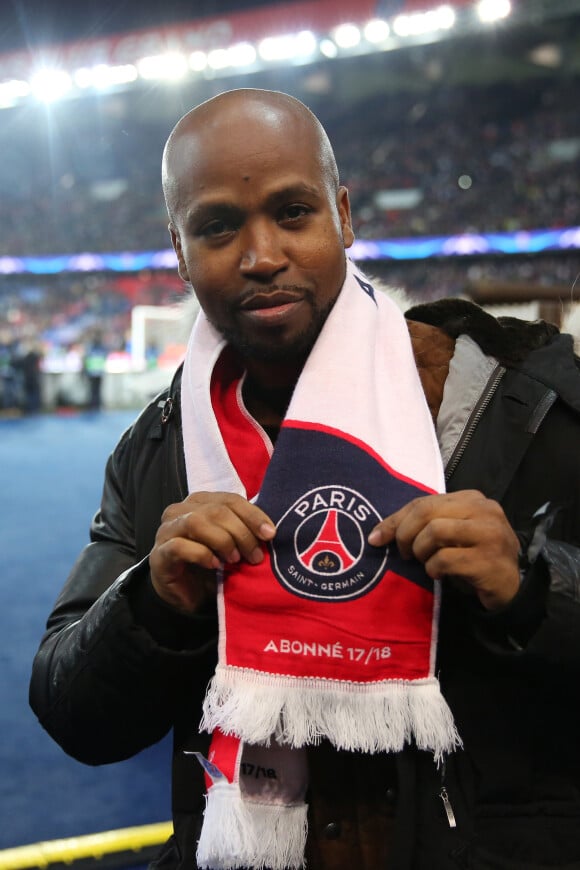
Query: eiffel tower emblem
[(328, 552)]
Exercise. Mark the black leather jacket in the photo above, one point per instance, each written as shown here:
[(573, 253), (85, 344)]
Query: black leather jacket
[(117, 669)]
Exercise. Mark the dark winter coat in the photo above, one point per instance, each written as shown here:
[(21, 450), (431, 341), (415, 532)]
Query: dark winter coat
[(117, 669)]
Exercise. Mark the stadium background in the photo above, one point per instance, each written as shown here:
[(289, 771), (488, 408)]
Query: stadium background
[(459, 140)]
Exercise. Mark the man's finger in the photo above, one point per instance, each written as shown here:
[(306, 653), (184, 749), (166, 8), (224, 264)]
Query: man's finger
[(406, 523)]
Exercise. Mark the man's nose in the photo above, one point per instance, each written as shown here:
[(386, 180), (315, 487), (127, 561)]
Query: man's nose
[(263, 254)]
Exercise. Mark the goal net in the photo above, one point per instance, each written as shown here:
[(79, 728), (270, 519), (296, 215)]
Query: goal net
[(159, 334)]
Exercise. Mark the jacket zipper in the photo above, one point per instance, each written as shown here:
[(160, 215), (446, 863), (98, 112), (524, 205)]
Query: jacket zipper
[(487, 395), (541, 410), (166, 409), (448, 808), (452, 821), (476, 415)]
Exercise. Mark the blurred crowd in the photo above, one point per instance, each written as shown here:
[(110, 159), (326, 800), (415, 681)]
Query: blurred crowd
[(455, 159), (502, 158), (458, 159)]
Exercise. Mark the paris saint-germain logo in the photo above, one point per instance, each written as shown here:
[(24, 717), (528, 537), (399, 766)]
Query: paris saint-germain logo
[(320, 548)]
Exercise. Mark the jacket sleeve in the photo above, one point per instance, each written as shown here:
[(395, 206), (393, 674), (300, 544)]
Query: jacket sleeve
[(544, 618), (115, 663), (540, 493)]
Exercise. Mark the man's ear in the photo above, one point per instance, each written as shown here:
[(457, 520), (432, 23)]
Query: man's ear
[(176, 242), (343, 206)]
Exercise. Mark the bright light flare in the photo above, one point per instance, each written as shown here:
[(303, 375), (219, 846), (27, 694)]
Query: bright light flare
[(493, 10), (171, 65), (218, 58), (242, 54), (420, 23), (12, 91), (198, 61), (103, 76), (347, 36), (328, 48), (298, 45), (50, 85), (376, 30)]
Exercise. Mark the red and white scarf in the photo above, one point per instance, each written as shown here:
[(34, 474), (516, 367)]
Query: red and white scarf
[(328, 637)]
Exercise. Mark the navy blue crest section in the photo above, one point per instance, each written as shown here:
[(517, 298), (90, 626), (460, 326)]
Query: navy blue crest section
[(325, 495)]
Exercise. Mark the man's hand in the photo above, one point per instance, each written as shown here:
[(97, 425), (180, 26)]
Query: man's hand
[(462, 536), (199, 534)]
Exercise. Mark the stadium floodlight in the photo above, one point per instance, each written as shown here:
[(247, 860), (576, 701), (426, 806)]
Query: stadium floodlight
[(103, 76), (493, 10), (346, 36), (83, 77), (198, 61), (445, 17), (49, 85), (12, 91), (240, 55), (218, 58), (306, 44), (294, 46), (171, 65), (276, 48), (420, 23), (328, 48), (376, 30)]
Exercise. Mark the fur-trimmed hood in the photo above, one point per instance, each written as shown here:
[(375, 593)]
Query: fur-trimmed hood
[(508, 339), (534, 347)]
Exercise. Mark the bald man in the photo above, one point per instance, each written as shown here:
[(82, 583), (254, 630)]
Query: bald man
[(261, 227)]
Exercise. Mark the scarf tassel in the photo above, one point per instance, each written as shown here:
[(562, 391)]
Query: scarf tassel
[(367, 718), (241, 833)]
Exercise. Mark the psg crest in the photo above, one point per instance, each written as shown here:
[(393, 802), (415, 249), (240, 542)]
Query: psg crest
[(320, 549)]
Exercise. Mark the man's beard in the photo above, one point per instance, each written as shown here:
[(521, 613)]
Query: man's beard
[(272, 350)]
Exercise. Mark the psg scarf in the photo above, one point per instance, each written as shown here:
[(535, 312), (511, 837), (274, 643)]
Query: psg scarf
[(328, 637)]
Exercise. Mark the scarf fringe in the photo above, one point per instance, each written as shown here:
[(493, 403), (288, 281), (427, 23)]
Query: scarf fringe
[(239, 833), (376, 717)]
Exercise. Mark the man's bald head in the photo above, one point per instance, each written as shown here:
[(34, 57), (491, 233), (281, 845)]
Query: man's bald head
[(218, 119)]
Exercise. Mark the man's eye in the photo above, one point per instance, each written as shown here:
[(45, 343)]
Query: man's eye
[(215, 228), (295, 211)]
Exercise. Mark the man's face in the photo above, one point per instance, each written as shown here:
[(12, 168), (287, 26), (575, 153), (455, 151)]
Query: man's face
[(260, 234)]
